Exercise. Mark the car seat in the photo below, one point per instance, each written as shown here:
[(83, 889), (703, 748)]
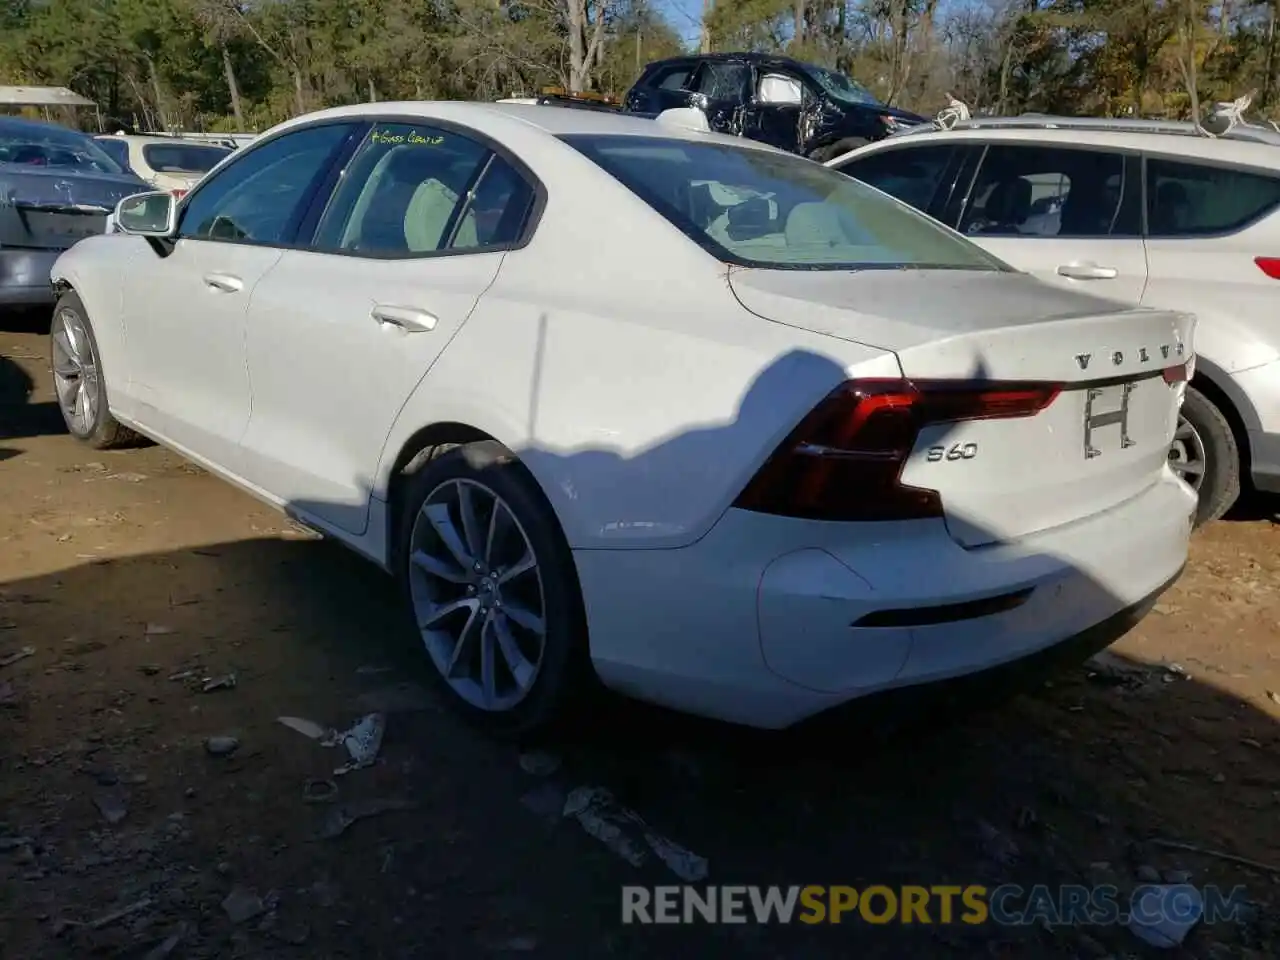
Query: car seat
[(1008, 205), (703, 208), (813, 224), (410, 206), (1171, 208)]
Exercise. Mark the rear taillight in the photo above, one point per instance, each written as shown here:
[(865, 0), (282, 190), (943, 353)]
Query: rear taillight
[(1269, 265), (1178, 374), (844, 461)]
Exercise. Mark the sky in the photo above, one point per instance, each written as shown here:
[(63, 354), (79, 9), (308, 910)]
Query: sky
[(685, 16)]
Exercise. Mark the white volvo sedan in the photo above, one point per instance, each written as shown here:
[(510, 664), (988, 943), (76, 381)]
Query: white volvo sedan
[(715, 425)]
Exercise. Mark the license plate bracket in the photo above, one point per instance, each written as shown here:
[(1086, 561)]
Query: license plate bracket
[(1106, 407)]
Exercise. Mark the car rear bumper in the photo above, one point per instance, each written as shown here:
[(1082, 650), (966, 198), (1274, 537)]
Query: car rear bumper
[(1262, 386), (1265, 451), (24, 277), (755, 623)]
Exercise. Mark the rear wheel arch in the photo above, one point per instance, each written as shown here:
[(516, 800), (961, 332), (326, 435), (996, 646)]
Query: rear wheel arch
[(1209, 385), (429, 442), (444, 453), (1211, 430)]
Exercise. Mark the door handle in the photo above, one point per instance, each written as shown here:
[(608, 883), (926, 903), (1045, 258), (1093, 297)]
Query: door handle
[(408, 319), (1087, 271), (224, 282)]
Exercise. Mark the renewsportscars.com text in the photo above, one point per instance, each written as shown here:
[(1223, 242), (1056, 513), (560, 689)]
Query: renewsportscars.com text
[(973, 904)]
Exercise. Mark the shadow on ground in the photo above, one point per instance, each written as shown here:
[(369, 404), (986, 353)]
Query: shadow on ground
[(19, 417), (1254, 505), (1067, 785), (139, 827), (26, 320)]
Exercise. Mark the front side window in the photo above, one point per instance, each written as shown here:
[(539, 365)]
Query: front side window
[(412, 189), (181, 157), (1048, 192), (259, 197), (724, 80), (1192, 199), (913, 175), (759, 208)]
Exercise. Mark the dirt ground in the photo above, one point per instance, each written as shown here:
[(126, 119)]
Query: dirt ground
[(130, 582)]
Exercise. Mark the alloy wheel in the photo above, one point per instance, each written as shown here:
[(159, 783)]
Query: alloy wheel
[(1186, 454), (477, 594), (75, 371)]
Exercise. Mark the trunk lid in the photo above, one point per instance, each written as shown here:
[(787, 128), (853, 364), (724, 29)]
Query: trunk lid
[(45, 208), (177, 181), (1104, 438)]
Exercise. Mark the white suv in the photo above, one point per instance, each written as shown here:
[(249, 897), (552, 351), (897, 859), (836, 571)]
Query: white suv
[(1143, 212)]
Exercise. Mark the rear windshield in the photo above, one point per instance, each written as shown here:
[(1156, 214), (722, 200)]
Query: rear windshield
[(45, 145), (759, 208), (181, 158)]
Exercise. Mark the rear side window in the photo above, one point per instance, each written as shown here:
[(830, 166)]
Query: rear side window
[(1192, 199), (499, 208), (412, 190), (181, 158), (671, 78), (1049, 192), (911, 175)]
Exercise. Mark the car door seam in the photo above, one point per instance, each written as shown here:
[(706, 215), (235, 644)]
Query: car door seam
[(409, 395), (244, 342)]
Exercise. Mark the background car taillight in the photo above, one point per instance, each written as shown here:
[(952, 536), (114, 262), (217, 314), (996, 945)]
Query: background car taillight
[(844, 460), (1269, 265), (179, 193)]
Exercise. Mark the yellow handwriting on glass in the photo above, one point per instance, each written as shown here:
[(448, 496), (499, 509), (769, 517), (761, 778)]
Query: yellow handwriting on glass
[(413, 137)]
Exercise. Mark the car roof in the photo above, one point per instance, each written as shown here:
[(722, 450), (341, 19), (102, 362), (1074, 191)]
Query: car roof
[(1219, 149), (753, 57), (495, 118), (23, 125), (148, 139)]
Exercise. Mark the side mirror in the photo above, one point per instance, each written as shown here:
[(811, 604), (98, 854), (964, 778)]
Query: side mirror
[(780, 91), (152, 214)]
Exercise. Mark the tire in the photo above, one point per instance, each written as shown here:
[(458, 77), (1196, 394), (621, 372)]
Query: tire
[(833, 150), (79, 380), (432, 579), (1204, 436)]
